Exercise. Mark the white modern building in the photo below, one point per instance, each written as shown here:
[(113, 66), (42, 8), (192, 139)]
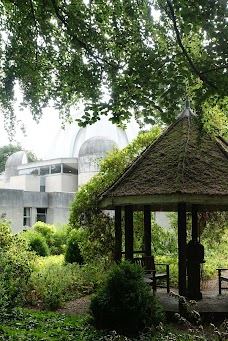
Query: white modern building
[(44, 189)]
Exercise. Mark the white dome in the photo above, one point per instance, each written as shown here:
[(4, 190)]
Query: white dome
[(14, 160), (91, 153), (68, 142), (96, 145)]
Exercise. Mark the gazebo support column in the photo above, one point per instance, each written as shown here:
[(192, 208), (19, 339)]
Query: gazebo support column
[(195, 255), (118, 235), (147, 230), (182, 248), (194, 223), (129, 233)]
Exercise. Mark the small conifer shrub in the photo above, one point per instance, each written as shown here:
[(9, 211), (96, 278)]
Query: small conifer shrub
[(125, 302)]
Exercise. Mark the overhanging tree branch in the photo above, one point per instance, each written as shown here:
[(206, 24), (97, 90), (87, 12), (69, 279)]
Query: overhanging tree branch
[(81, 43), (200, 74), (222, 67), (36, 27)]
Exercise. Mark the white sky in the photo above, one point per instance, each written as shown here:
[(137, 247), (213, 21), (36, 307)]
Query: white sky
[(38, 136)]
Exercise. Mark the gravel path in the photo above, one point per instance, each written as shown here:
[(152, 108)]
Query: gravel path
[(81, 305), (77, 307)]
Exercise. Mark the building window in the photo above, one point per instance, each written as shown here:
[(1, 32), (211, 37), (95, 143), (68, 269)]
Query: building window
[(55, 169), (44, 170), (29, 171), (41, 214), (69, 170), (27, 216), (42, 184)]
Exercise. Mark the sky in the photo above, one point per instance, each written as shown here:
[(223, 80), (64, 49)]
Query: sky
[(38, 136)]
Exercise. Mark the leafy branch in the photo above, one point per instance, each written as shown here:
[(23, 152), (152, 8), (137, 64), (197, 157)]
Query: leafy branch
[(180, 43), (36, 28), (81, 43)]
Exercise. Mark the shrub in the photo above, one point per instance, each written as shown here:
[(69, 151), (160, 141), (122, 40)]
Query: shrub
[(46, 230), (125, 303), (59, 241), (36, 243), (15, 266), (73, 252)]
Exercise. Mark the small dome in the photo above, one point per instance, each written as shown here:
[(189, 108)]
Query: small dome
[(15, 160), (96, 145), (91, 151)]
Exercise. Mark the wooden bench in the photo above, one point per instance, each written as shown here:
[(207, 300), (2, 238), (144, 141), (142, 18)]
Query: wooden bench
[(222, 278), (151, 276)]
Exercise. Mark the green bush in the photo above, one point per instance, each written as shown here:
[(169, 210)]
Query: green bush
[(15, 267), (124, 302), (46, 230), (73, 252), (42, 234), (36, 243), (59, 240)]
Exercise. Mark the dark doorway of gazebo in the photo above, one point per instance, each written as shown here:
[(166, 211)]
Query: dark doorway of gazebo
[(190, 255)]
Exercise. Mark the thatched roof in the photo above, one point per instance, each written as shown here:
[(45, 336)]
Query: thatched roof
[(182, 165)]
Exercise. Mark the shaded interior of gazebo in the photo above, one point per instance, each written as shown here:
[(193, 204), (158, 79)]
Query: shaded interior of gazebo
[(184, 170)]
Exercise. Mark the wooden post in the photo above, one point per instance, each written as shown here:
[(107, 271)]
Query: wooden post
[(194, 258), (118, 235), (182, 248), (129, 233), (194, 223), (147, 230)]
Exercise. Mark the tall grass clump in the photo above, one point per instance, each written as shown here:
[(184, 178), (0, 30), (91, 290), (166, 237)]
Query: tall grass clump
[(124, 302), (54, 282)]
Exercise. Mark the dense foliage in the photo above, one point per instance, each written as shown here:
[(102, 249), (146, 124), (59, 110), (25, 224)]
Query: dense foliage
[(125, 302), (27, 325), (54, 282), (121, 57), (73, 252), (46, 239), (37, 243), (98, 227), (15, 267)]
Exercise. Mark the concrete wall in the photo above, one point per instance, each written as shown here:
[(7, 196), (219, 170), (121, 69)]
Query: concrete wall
[(13, 202), (59, 208), (11, 206), (61, 183), (162, 219), (25, 182), (83, 178), (4, 184)]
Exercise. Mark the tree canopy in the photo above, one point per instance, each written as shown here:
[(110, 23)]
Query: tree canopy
[(115, 55), (9, 149)]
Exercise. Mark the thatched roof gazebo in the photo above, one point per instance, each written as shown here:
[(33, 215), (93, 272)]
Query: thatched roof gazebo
[(184, 170)]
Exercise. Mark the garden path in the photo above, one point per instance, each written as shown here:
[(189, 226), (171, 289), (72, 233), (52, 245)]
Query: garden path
[(81, 305)]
